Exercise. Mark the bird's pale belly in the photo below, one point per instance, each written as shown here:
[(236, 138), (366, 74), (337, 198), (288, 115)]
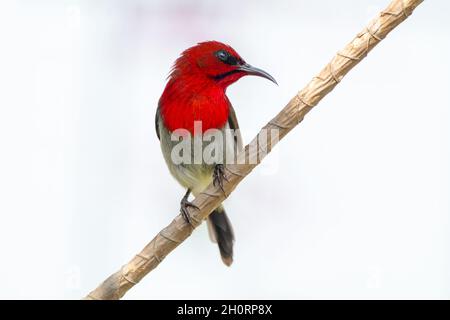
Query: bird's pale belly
[(196, 173)]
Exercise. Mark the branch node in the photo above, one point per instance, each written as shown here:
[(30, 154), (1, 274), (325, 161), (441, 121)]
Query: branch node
[(333, 74), (233, 172), (405, 13), (347, 56), (372, 34), (213, 195), (126, 277), (168, 238), (278, 125)]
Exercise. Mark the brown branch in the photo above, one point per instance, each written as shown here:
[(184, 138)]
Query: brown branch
[(178, 230)]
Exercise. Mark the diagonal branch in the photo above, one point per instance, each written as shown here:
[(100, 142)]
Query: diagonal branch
[(178, 230)]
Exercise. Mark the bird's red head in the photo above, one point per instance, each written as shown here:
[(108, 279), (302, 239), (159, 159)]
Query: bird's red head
[(196, 87), (214, 62)]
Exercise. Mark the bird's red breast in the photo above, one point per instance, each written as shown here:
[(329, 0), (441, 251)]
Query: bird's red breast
[(189, 99)]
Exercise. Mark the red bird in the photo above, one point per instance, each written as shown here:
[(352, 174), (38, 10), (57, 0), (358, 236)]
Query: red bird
[(195, 93)]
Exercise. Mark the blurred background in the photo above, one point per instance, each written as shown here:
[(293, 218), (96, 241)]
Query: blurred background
[(354, 203)]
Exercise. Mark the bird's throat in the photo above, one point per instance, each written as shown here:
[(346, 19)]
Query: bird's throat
[(185, 102)]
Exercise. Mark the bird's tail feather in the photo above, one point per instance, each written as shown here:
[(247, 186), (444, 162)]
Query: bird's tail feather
[(221, 232)]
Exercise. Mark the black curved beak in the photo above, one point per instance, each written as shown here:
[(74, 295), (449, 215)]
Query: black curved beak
[(256, 72)]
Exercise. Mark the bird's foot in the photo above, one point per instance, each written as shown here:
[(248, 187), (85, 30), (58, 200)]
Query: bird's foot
[(184, 205), (219, 176)]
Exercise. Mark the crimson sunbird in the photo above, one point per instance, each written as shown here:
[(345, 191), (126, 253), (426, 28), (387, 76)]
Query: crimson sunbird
[(196, 93)]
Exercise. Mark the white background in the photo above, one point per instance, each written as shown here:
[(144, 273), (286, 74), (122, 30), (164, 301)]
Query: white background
[(354, 203)]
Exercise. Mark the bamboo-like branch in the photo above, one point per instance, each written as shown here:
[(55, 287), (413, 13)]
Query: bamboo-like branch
[(178, 230)]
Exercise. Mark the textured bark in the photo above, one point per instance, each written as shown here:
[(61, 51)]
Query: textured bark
[(115, 286)]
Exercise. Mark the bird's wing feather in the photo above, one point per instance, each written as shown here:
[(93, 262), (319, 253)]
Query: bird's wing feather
[(157, 116), (234, 125)]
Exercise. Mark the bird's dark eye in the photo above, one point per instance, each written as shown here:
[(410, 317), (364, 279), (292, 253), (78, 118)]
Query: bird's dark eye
[(226, 57), (222, 55)]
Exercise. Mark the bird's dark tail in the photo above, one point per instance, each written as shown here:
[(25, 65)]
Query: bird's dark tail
[(221, 232)]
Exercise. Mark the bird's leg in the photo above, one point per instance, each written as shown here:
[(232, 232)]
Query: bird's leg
[(219, 176), (185, 204)]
